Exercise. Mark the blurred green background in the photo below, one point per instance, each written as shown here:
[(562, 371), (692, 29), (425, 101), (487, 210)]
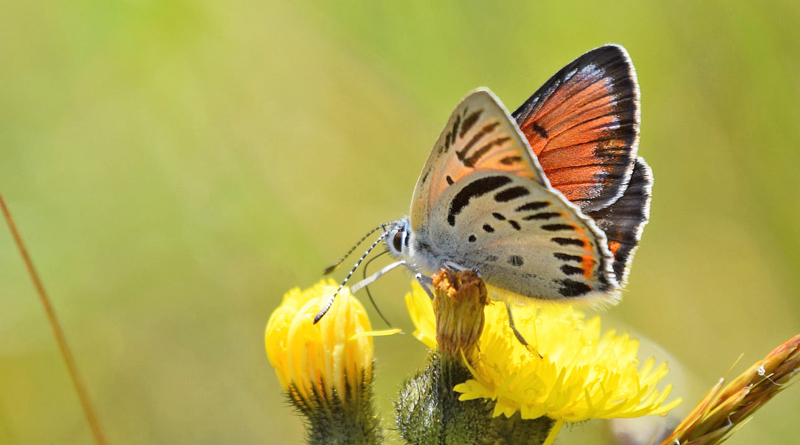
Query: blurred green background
[(176, 166)]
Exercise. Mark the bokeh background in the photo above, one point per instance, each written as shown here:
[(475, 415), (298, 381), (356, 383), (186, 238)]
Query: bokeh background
[(176, 166)]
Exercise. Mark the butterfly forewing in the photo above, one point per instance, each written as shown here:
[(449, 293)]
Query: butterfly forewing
[(583, 125), (523, 237), (480, 135)]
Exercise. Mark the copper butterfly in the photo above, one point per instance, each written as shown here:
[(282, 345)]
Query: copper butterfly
[(547, 203)]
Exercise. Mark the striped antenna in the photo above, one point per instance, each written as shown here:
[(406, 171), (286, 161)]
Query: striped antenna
[(347, 278), (341, 260)]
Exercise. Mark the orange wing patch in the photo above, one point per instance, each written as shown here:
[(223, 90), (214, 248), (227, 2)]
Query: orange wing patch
[(583, 125)]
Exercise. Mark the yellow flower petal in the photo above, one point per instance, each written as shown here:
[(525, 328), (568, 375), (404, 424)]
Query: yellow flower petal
[(323, 361), (581, 375), (421, 312)]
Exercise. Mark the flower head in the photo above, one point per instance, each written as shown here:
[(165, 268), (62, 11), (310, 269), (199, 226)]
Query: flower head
[(724, 410), (324, 362), (459, 311), (580, 375)]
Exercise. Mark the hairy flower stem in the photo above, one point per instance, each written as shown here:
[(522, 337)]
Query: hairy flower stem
[(336, 422), (428, 410), (516, 430)]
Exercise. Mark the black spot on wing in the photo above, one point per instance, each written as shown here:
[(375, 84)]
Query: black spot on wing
[(451, 137), (475, 189), (509, 160), (516, 261), (491, 258), (511, 193), (572, 288), (571, 270), (472, 238), (539, 129), (568, 241), (541, 216), (514, 224), (557, 227), (567, 257), (478, 154), (488, 128), (449, 180), (532, 206), (499, 216), (487, 228), (469, 121)]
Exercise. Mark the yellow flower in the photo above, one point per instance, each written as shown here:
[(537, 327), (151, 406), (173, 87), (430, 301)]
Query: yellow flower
[(580, 375), (323, 362)]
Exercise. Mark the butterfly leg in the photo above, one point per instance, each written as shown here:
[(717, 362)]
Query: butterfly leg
[(454, 266), (459, 268), (426, 282), (518, 334), (372, 278)]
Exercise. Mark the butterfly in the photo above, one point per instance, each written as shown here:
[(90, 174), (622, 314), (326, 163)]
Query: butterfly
[(547, 203)]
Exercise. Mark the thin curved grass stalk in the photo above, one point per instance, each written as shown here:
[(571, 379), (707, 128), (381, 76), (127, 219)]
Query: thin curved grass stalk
[(58, 333), (726, 409)]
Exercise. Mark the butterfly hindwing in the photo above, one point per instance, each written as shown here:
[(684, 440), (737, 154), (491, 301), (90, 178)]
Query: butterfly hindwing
[(480, 135), (524, 238), (624, 220), (583, 125)]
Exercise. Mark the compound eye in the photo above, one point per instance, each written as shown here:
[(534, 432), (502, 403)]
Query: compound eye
[(397, 241)]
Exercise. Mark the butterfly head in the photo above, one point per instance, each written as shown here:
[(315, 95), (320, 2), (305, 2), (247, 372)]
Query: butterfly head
[(398, 238)]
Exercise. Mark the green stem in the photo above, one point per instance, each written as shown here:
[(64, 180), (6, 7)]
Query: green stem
[(428, 411), (337, 421), (516, 430)]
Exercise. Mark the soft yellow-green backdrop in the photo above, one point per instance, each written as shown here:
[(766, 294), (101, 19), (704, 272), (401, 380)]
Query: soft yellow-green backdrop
[(176, 166)]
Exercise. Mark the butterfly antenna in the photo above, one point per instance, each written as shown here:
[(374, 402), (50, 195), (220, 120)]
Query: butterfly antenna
[(324, 310), (363, 238), (369, 294)]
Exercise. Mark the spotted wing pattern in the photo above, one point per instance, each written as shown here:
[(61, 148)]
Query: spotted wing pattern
[(624, 220), (480, 135), (583, 125), (523, 237)]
